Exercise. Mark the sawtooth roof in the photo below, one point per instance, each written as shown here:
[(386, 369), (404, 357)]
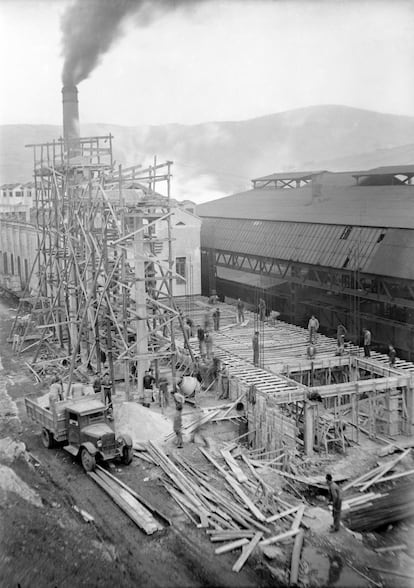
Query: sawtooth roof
[(332, 198)]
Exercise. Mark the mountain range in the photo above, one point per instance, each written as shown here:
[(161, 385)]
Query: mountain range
[(215, 159)]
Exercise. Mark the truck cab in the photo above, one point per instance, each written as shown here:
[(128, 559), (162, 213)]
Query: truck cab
[(92, 437)]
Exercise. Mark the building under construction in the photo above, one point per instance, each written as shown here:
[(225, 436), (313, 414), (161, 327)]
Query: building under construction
[(337, 245)]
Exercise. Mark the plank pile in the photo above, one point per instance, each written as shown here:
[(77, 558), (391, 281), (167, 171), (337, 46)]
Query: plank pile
[(373, 510), (237, 508), (127, 500)]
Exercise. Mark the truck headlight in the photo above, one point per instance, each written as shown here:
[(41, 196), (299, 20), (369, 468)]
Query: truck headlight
[(99, 443)]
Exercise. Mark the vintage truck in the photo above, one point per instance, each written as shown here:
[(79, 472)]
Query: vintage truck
[(83, 429)]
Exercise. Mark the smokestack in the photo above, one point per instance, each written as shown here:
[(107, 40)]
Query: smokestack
[(71, 120)]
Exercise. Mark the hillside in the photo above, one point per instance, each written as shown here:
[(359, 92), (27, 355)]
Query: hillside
[(218, 158)]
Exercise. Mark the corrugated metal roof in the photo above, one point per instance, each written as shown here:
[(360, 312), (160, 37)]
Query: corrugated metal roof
[(336, 200), (388, 170), (336, 246), (395, 256)]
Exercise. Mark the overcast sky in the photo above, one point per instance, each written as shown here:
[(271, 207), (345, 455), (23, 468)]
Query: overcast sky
[(227, 60)]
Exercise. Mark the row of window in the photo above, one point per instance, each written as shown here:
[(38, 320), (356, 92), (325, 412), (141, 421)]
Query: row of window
[(8, 265), (17, 194)]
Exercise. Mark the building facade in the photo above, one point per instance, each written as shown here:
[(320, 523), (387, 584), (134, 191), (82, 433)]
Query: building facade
[(337, 245)]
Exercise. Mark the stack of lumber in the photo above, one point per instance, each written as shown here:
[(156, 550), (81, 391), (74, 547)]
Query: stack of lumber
[(127, 500), (239, 510), (373, 510)]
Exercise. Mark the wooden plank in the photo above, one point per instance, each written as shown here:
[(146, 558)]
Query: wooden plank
[(294, 564), (393, 572), (231, 546), (235, 468), (298, 518), (247, 552), (400, 547), (279, 537), (126, 502), (386, 469), (283, 514)]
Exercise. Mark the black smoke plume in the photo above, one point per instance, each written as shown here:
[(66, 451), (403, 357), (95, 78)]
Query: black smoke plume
[(90, 27)]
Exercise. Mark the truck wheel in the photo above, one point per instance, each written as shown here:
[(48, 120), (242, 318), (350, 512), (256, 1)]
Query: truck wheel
[(88, 460), (47, 438), (127, 454)]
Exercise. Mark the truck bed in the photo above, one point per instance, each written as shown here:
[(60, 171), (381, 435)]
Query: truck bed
[(53, 420)]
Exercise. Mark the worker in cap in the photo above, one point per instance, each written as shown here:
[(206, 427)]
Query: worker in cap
[(335, 499)]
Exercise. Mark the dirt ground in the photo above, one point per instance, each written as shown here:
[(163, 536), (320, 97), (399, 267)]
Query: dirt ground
[(52, 546)]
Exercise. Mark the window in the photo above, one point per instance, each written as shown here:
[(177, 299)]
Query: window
[(180, 263), (11, 264), (346, 232), (5, 266)]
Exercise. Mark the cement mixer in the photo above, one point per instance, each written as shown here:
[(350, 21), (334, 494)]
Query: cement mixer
[(189, 386)]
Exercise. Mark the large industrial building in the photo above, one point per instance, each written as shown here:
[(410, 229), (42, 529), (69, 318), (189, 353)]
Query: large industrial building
[(337, 245)]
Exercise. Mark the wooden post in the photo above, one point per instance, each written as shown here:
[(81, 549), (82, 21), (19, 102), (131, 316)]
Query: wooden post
[(308, 433), (140, 304)]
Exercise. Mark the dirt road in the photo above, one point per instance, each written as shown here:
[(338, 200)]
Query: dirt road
[(53, 546)]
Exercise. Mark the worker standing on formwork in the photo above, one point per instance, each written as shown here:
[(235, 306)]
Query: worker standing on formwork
[(240, 311), (313, 328), (216, 319), (367, 342), (255, 345), (208, 339), (262, 310), (392, 354), (336, 500)]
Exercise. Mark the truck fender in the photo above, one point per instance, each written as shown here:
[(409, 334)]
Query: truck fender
[(125, 438), (89, 446)]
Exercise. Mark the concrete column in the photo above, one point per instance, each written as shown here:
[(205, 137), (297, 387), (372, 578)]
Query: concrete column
[(391, 409)]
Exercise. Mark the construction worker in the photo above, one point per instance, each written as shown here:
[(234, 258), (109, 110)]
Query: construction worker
[(107, 390), (255, 345), (311, 351), (178, 418), (55, 391), (392, 354), (367, 342), (208, 339), (336, 500), (240, 311), (163, 386), (262, 309), (97, 384), (148, 382), (313, 327), (216, 319), (340, 335)]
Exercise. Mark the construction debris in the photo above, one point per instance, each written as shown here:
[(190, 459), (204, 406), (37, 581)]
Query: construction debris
[(241, 515)]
